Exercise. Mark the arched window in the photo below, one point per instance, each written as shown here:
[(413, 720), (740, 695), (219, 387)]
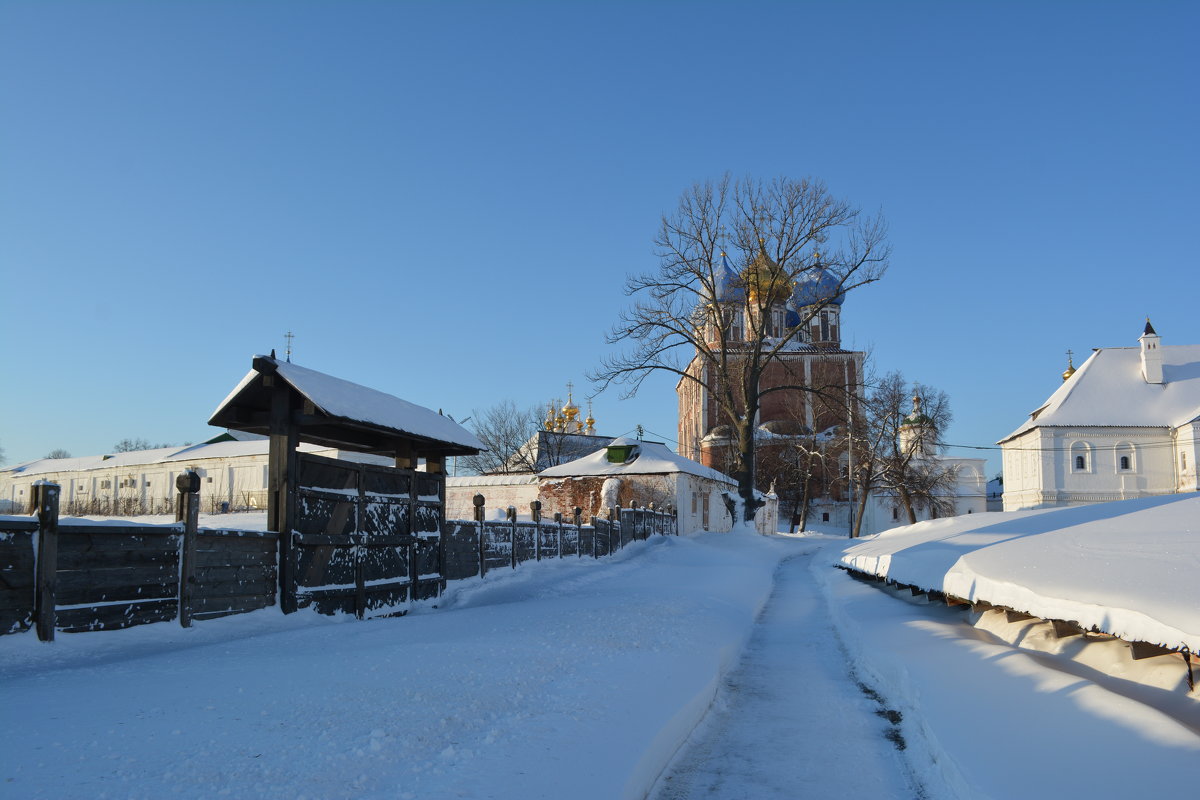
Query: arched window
[(1081, 457), (1125, 457)]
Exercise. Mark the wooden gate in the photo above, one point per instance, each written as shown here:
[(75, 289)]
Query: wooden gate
[(365, 538)]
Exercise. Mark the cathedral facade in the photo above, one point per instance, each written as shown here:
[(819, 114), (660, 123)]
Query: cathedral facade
[(812, 385)]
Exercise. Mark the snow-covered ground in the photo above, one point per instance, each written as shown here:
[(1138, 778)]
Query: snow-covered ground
[(588, 679)]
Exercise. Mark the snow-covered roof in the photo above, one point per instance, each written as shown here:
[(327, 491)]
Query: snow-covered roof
[(1109, 390), (142, 458), (650, 458), (1128, 567), (347, 401)]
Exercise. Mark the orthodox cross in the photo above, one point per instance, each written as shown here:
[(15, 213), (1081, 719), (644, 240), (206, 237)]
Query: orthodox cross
[(289, 336)]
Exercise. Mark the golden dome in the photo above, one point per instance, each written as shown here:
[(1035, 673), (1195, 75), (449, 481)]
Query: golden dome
[(1070, 370), (766, 280)]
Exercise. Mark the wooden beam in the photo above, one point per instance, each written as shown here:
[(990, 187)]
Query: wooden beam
[(1063, 629), (1140, 650)]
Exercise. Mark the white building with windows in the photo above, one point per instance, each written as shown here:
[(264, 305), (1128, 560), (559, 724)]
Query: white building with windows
[(1126, 424), (232, 469)]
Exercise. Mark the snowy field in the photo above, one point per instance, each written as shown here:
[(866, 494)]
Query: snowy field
[(712, 665)]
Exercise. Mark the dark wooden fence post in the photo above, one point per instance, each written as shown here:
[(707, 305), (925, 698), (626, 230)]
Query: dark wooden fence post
[(188, 485), (614, 526), (512, 533), (478, 501), (558, 531), (535, 508), (579, 532), (46, 495)]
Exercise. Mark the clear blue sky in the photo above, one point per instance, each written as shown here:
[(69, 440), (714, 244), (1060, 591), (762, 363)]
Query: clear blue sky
[(442, 200)]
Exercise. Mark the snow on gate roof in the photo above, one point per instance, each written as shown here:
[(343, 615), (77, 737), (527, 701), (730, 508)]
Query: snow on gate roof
[(650, 458), (351, 415)]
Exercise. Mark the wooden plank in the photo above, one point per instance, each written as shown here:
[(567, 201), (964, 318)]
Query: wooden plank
[(234, 544), (88, 559), (246, 559), (16, 553), (1140, 650), (117, 616), (1063, 629), (23, 579), (128, 592), (118, 532), (95, 543), (17, 597), (233, 574), (227, 606), (260, 588)]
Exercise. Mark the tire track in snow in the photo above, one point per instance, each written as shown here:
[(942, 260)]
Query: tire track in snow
[(792, 719)]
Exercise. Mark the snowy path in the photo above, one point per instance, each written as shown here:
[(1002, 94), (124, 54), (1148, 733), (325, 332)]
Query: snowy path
[(786, 718)]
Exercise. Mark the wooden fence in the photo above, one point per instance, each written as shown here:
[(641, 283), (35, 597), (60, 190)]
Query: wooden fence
[(471, 548), (91, 576), (79, 576)]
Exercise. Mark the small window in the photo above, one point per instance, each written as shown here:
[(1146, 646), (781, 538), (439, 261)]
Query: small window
[(1081, 457), (895, 513), (824, 516), (1183, 461), (1124, 463)]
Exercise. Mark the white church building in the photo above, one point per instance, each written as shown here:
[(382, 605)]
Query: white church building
[(1126, 424)]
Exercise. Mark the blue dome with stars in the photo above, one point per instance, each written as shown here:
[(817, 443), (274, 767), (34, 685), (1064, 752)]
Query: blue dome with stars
[(817, 285)]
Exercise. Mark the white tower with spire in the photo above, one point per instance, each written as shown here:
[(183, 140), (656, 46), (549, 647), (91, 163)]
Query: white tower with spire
[(1151, 355)]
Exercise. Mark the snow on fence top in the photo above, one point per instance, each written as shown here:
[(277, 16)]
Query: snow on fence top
[(1130, 568), (343, 400), (1108, 389)]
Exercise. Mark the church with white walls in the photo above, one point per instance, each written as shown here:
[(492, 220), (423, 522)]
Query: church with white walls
[(1126, 424)]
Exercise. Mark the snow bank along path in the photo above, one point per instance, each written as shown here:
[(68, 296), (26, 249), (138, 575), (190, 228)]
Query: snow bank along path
[(564, 678), (983, 719), (1128, 568)]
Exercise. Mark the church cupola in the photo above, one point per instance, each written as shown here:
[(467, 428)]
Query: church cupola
[(917, 435), (1151, 355), (767, 290), (1070, 370), (817, 301)]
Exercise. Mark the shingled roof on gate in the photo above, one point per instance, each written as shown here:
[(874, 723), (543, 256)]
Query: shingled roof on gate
[(338, 413)]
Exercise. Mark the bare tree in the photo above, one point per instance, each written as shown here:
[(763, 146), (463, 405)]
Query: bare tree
[(689, 322), (505, 430), (132, 445), (58, 452), (895, 442)]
